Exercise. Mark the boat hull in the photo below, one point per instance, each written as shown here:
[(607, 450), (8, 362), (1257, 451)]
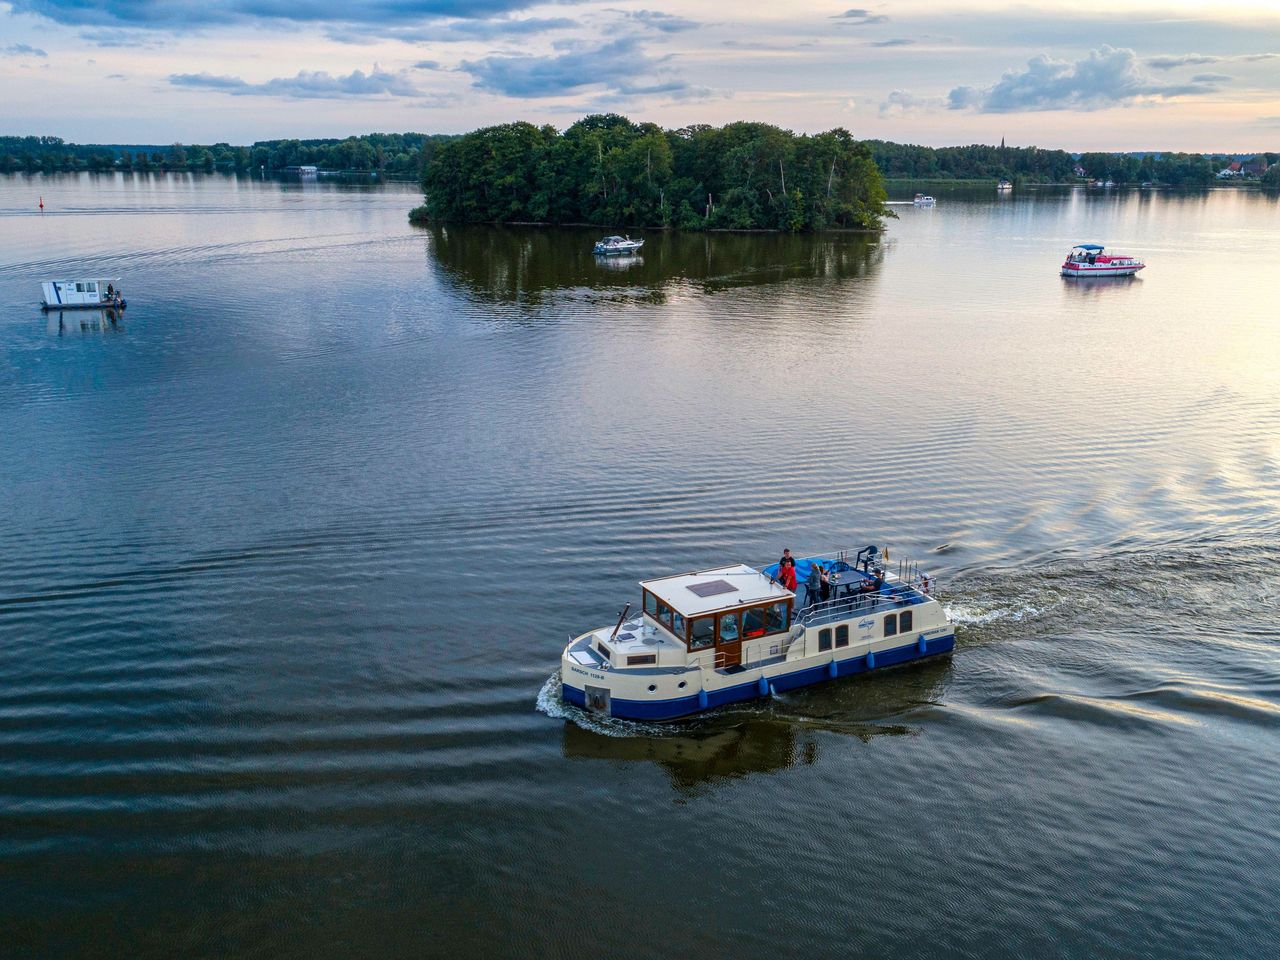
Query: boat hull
[(754, 683), (84, 306), (1127, 271)]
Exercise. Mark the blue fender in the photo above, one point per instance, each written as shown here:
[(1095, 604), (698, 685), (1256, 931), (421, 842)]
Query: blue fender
[(832, 670), (702, 699), (924, 647), (871, 659), (763, 687)]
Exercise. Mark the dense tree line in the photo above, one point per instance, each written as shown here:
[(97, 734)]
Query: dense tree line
[(400, 154), (607, 170), (1170, 169), (974, 162)]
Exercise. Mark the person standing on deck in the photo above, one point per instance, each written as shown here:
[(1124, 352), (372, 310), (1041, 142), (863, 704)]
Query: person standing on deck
[(825, 581), (787, 570), (813, 584)]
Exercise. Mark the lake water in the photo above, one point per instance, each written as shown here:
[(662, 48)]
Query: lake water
[(289, 551)]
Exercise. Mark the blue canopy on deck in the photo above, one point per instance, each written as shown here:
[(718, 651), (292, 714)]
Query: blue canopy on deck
[(1089, 246)]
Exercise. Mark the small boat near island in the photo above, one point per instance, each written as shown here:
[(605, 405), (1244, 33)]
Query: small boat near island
[(732, 633), (1004, 186), (923, 200), (92, 294), (1092, 260), (616, 247)]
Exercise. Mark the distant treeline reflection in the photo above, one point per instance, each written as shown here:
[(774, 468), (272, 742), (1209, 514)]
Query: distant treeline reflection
[(523, 264), (607, 170)]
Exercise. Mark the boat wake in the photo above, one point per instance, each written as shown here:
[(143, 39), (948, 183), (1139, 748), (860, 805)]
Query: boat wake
[(550, 703)]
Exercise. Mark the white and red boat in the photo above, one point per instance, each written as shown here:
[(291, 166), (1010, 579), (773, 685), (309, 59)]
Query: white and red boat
[(1092, 260)]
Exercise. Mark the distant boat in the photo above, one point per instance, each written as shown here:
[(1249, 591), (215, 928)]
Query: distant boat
[(616, 246), (924, 200), (82, 294), (1092, 260), (1004, 185)]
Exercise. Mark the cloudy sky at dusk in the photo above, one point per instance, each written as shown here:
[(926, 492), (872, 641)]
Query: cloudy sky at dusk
[(1161, 74)]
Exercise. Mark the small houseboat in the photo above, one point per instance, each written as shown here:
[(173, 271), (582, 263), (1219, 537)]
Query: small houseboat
[(923, 200), (82, 294), (733, 633), (616, 246), (1004, 186), (1092, 260)]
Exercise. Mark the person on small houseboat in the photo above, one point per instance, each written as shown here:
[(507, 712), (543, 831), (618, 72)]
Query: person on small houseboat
[(825, 579), (787, 570), (813, 584)]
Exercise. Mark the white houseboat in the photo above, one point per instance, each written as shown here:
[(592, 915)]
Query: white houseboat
[(713, 637), (1092, 260), (82, 294), (924, 200)]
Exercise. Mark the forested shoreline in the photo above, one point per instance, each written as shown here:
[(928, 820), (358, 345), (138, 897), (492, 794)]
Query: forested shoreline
[(394, 154), (405, 155), (608, 170)]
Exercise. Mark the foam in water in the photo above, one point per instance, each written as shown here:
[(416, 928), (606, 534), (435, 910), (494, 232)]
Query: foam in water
[(550, 702)]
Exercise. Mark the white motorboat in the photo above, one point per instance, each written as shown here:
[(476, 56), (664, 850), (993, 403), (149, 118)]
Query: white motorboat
[(1092, 260), (616, 246), (924, 200)]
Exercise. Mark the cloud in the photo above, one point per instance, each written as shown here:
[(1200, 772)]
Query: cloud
[(1107, 77), (427, 65), (1200, 59), (662, 22), (859, 18), (895, 42), (617, 65), (1211, 78), (453, 31), (307, 85), (23, 50), (900, 102), (186, 15)]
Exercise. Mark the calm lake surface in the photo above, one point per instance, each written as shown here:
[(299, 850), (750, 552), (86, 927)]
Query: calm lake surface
[(289, 552)]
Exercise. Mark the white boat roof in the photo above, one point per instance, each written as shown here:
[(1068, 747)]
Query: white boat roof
[(703, 591)]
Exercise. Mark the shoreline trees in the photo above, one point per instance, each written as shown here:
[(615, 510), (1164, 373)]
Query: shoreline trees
[(607, 170)]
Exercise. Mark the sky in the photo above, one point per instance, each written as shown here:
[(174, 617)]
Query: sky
[(1131, 75)]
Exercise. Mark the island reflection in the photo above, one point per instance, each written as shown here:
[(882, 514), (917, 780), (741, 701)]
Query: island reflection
[(525, 264)]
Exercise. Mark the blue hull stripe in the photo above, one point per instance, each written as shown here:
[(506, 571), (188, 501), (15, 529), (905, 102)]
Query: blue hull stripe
[(683, 706)]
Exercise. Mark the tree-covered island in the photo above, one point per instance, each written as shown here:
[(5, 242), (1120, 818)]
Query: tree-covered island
[(608, 171)]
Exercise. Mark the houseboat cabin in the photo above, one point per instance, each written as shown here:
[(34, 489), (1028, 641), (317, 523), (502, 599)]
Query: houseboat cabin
[(82, 294), (731, 633)]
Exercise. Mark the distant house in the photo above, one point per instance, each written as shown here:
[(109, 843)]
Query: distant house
[(1231, 170), (1255, 167), (1078, 170)]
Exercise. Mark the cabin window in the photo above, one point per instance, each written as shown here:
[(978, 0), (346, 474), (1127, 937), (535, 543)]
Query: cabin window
[(824, 638), (664, 614), (677, 624), (650, 604), (702, 633), (753, 622), (79, 288), (90, 288), (730, 631), (890, 624), (777, 618), (842, 635), (904, 621), (604, 651), (641, 659)]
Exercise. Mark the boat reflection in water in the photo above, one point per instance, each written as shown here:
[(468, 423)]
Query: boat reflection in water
[(531, 265), (620, 263), (703, 755), (788, 730), (59, 323)]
